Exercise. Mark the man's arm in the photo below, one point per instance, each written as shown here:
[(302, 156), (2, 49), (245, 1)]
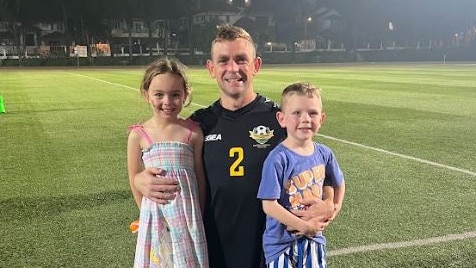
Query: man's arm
[(323, 211), (318, 211)]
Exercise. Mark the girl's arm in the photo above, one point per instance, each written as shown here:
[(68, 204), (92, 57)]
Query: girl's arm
[(134, 163), (273, 209), (197, 137)]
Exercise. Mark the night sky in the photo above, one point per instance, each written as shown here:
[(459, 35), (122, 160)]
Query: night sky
[(427, 18), (437, 17)]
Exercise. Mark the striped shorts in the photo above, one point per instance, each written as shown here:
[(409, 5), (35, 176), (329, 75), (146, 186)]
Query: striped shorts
[(302, 253)]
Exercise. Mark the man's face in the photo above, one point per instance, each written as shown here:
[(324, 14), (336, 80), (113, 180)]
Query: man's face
[(234, 65)]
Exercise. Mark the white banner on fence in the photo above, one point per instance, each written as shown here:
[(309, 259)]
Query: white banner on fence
[(79, 51)]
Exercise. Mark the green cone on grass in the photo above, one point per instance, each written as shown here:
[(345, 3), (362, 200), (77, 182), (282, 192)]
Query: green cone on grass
[(2, 107)]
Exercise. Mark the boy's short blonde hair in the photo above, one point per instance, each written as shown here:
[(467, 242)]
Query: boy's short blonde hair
[(301, 89)]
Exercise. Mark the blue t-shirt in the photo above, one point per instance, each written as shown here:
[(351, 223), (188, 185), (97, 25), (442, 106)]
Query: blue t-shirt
[(288, 177)]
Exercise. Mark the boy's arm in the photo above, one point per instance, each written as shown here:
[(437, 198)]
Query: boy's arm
[(339, 192), (273, 209), (328, 195)]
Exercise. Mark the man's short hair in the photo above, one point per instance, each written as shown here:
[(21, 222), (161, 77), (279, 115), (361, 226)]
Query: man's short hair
[(227, 32)]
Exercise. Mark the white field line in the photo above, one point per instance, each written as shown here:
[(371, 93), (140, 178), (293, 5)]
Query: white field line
[(402, 155), (404, 244), (327, 137), (120, 85), (412, 243), (365, 248), (104, 81)]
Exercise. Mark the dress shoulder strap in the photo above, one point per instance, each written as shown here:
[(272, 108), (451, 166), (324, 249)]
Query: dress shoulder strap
[(140, 130), (191, 126)]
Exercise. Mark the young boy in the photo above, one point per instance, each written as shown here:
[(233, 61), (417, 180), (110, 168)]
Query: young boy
[(298, 169)]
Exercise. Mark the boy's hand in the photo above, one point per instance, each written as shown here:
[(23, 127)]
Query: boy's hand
[(310, 228)]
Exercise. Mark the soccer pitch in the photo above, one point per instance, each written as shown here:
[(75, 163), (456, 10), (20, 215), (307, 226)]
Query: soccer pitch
[(404, 135)]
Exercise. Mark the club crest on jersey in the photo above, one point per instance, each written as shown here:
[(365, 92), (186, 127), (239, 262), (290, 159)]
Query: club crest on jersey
[(261, 134)]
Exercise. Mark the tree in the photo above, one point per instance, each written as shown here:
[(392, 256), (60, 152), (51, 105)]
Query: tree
[(202, 35), (17, 14)]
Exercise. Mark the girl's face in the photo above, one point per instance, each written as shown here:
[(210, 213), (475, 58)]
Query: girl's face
[(302, 116), (166, 95)]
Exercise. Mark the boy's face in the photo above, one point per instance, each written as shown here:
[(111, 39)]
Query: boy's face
[(302, 116)]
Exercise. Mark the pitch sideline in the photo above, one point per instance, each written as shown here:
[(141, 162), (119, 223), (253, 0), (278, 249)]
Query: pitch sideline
[(403, 244), (401, 155), (119, 85)]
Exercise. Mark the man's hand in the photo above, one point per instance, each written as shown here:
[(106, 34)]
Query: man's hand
[(153, 184), (317, 212), (315, 208)]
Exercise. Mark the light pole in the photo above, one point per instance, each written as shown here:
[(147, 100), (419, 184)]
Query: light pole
[(308, 20)]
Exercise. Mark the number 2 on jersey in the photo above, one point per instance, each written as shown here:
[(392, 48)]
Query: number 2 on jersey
[(236, 169)]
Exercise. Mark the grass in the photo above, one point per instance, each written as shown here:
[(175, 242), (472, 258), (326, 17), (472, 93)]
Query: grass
[(64, 196)]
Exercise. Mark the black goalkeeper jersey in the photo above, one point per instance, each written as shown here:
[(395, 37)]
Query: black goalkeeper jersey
[(236, 145)]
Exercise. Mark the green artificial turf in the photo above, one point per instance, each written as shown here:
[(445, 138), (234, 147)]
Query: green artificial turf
[(403, 135)]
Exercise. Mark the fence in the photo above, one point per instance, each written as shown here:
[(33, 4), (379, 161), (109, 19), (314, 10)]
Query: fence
[(271, 53)]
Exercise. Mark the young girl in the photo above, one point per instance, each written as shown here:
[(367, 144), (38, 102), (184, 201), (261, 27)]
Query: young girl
[(169, 235)]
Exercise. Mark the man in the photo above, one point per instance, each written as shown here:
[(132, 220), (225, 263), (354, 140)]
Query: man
[(240, 129)]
